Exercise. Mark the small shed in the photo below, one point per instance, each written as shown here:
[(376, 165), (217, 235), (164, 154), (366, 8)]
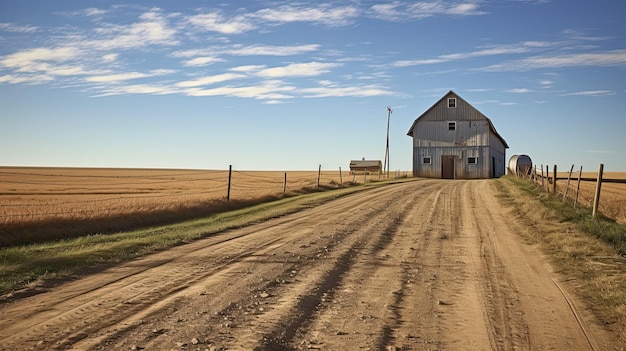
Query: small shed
[(520, 165), (365, 166)]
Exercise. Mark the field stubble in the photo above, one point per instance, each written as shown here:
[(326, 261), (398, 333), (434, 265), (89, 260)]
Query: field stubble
[(61, 202)]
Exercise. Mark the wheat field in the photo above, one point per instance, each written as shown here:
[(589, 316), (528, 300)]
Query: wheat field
[(41, 201)]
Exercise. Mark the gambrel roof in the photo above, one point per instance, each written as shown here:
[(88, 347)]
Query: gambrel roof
[(455, 95)]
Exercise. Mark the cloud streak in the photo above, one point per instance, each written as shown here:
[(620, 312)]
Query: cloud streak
[(613, 58), (404, 11)]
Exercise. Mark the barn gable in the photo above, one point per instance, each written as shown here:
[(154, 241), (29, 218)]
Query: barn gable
[(452, 139)]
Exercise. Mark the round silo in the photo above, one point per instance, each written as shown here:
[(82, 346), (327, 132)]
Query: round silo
[(520, 165)]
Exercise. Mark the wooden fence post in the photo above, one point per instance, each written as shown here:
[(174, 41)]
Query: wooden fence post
[(596, 199), (554, 180), (569, 177), (536, 176), (580, 173), (285, 184), (230, 176), (543, 185), (340, 178), (319, 171)]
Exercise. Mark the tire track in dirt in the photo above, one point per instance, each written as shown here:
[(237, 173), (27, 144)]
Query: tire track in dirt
[(436, 312), (371, 242), (364, 309), (506, 321)]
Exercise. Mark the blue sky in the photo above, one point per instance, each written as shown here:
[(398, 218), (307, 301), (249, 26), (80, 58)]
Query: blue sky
[(290, 85)]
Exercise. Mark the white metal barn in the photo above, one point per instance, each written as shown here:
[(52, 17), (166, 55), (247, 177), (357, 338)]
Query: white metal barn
[(453, 140)]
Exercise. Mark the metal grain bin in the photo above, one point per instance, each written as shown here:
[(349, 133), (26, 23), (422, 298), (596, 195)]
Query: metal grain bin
[(520, 165)]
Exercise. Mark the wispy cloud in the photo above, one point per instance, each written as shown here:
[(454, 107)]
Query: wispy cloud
[(325, 14), (247, 68), (353, 91), (31, 79), (12, 27), (607, 59), (202, 61), (308, 69), (108, 58), (210, 80), (216, 22), (248, 50), (150, 89), (546, 84), (120, 77), (39, 59), (270, 89), (591, 93), (488, 51), (153, 28), (496, 102), (518, 91), (402, 11)]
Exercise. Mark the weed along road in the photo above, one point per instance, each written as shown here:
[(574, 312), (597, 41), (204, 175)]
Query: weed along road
[(423, 265)]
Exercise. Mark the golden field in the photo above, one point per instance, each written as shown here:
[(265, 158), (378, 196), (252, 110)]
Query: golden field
[(612, 196), (60, 202)]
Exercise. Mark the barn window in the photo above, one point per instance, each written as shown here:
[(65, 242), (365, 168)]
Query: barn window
[(451, 125), (452, 102), (472, 160), (426, 160)]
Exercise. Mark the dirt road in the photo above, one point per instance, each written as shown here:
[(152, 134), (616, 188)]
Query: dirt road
[(425, 265)]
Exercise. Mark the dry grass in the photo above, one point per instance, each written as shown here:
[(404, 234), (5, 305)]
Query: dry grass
[(612, 196), (60, 202)]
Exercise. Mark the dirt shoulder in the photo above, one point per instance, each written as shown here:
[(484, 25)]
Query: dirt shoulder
[(420, 265)]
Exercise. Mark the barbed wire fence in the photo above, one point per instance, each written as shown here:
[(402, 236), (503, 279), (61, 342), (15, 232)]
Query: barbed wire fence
[(569, 187)]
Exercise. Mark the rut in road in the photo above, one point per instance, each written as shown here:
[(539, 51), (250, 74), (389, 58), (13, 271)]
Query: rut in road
[(425, 265)]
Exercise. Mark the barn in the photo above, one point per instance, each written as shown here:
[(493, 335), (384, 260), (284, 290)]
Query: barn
[(453, 140), (365, 166)]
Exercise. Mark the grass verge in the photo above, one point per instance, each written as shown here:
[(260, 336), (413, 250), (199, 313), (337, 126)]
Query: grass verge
[(26, 268), (588, 252), (605, 229)]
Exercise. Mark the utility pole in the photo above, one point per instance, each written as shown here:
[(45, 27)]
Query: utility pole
[(386, 164)]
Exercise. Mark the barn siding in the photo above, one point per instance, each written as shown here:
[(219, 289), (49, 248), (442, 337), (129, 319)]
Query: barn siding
[(436, 133), (463, 170), (498, 150)]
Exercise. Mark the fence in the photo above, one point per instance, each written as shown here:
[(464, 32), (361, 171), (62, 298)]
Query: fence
[(61, 196), (575, 187)]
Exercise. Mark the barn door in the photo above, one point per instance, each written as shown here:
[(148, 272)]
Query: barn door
[(447, 167)]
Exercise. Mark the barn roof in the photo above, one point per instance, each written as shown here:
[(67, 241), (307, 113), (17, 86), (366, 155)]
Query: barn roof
[(493, 129)]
